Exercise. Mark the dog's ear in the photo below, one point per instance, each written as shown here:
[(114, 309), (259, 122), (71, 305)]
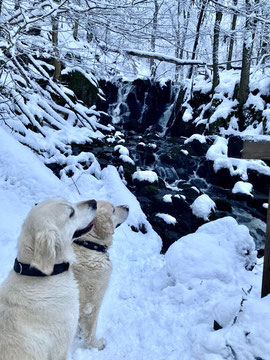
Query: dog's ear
[(46, 244), (104, 225)]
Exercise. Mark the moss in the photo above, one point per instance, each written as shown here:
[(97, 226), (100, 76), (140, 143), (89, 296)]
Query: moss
[(149, 190), (129, 169), (215, 126)]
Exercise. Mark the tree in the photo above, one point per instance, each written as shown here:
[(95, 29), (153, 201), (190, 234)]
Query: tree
[(249, 35), (232, 37), (153, 38), (216, 48), (199, 23)]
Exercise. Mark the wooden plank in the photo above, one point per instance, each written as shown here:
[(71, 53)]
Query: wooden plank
[(238, 148), (256, 150), (266, 265)]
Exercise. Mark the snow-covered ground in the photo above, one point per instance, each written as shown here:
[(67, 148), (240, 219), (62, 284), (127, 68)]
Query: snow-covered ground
[(157, 307)]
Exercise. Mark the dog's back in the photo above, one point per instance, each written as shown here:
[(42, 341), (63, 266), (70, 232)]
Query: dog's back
[(34, 323)]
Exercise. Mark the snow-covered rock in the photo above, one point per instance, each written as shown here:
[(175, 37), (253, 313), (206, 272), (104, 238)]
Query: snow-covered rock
[(122, 150), (167, 218), (203, 206), (200, 138), (145, 175), (167, 198), (216, 251), (243, 188), (126, 159)]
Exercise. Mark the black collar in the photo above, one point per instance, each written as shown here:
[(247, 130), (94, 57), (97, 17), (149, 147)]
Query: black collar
[(26, 269), (91, 245)]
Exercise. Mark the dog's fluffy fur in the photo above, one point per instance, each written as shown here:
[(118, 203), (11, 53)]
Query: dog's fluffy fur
[(38, 315), (93, 269)]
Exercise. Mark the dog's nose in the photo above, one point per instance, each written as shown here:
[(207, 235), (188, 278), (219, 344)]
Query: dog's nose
[(126, 207), (92, 204)]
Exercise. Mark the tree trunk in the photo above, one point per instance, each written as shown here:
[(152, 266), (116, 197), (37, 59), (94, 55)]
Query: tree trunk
[(204, 2), (56, 60), (249, 35), (76, 28), (216, 48), (177, 49), (153, 39), (231, 45), (186, 22)]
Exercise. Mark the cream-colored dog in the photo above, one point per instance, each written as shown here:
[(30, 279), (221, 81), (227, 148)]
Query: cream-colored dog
[(39, 300), (93, 267)]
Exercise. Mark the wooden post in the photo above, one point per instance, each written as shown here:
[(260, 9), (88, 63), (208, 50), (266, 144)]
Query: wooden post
[(238, 148), (266, 264)]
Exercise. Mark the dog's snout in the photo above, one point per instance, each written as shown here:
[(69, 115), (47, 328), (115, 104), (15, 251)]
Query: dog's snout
[(92, 204), (126, 207)]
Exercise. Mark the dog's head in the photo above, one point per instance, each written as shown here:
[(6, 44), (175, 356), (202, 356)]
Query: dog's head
[(48, 230), (107, 218)]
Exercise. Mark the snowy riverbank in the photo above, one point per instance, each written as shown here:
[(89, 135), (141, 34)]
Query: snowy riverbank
[(160, 307)]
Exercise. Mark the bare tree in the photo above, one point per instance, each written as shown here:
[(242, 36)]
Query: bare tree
[(216, 48), (199, 23), (153, 38), (232, 37), (56, 60), (249, 35)]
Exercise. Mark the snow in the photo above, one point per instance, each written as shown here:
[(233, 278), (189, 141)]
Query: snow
[(122, 150), (243, 187), (218, 154), (126, 159), (167, 218), (167, 198), (185, 152), (145, 175), (203, 206), (200, 138), (156, 306)]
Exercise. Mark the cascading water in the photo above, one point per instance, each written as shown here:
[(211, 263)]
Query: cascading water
[(176, 164)]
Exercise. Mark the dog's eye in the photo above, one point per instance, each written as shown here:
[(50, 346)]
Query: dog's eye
[(72, 213), (113, 210)]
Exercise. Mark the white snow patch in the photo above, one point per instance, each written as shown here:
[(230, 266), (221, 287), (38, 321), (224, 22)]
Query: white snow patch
[(126, 159), (167, 198), (202, 206), (122, 150), (200, 138), (167, 218), (243, 187), (145, 175)]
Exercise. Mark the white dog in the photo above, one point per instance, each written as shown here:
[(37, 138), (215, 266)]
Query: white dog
[(39, 300), (93, 267)]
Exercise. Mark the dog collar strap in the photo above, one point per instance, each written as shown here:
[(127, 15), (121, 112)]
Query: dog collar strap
[(26, 269), (91, 245)]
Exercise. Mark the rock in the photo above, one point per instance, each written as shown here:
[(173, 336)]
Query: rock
[(180, 206), (223, 205), (221, 178), (148, 190), (82, 87)]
